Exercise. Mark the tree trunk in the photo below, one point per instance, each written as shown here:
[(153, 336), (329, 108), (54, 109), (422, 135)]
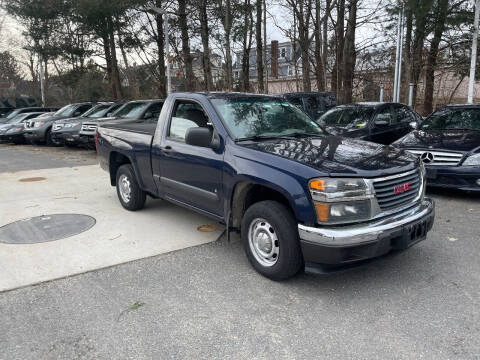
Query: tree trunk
[(160, 40), (108, 59), (246, 45), (325, 39), (130, 76), (421, 16), (319, 73), (187, 57), (349, 54), (303, 32), (339, 35), (439, 21), (116, 85), (204, 34), (260, 81)]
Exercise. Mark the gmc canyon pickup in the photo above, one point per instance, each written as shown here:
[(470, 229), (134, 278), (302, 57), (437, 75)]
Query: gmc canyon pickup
[(299, 197)]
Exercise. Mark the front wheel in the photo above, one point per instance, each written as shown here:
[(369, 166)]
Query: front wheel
[(129, 193), (270, 240)]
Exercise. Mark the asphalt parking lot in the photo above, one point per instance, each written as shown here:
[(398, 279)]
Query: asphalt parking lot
[(206, 301)]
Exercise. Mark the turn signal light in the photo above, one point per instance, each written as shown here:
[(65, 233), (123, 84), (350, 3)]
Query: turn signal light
[(322, 211), (317, 185)]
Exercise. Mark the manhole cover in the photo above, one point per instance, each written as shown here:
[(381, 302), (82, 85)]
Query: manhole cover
[(45, 228)]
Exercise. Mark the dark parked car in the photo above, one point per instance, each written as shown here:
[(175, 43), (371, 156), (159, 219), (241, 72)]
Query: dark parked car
[(264, 168), (12, 131), (40, 130), (448, 143), (313, 103), (382, 123), (140, 111), (67, 131), (10, 115)]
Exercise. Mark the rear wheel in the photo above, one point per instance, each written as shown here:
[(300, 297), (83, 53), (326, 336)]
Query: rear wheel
[(129, 193), (270, 240)]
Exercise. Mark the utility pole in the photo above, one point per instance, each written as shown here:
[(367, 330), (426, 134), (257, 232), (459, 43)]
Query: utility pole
[(167, 44), (265, 45), (398, 58), (42, 83), (473, 62)]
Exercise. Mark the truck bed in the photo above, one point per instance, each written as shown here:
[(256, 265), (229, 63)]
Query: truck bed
[(146, 128)]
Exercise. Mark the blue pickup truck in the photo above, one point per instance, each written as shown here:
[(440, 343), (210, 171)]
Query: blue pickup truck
[(300, 198)]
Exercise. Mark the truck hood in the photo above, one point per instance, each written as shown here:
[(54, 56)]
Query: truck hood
[(453, 140), (340, 156)]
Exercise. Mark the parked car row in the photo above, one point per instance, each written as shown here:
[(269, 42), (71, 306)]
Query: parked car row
[(74, 124)]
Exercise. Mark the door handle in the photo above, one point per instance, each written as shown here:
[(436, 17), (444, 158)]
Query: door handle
[(167, 149)]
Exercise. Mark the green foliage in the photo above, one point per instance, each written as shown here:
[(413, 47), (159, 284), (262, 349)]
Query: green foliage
[(9, 67)]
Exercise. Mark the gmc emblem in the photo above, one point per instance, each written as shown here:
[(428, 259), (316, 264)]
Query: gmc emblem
[(399, 189)]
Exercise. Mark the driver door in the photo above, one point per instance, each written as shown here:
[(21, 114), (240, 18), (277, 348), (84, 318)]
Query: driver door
[(190, 175)]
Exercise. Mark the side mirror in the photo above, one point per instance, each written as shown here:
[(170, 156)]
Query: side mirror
[(148, 115), (414, 125), (381, 122), (199, 136), (77, 113)]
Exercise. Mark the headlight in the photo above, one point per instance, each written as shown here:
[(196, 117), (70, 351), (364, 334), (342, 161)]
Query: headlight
[(14, 130), (38, 124), (341, 200), (473, 160)]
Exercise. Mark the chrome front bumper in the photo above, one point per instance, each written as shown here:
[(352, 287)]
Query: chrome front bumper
[(364, 233)]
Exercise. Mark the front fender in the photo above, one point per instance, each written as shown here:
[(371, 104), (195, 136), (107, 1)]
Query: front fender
[(293, 188)]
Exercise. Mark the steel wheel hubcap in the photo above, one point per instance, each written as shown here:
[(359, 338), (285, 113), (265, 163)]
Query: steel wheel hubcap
[(125, 188), (263, 242)]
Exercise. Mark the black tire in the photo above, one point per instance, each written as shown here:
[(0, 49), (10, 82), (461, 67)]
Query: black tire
[(136, 200), (49, 141), (284, 226)]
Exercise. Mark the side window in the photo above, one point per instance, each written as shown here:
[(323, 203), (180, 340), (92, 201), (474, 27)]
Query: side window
[(384, 117), (154, 111), (81, 109), (296, 101), (404, 115), (186, 114)]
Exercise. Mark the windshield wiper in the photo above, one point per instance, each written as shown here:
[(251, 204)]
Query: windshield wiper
[(302, 134), (258, 137), (283, 136)]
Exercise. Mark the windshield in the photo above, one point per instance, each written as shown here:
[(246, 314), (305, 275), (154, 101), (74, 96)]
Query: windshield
[(65, 111), (131, 110), (347, 117), (17, 119), (14, 113), (98, 111), (453, 119), (257, 116)]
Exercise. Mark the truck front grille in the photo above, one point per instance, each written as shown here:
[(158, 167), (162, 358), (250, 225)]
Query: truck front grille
[(89, 128), (445, 158), (398, 190), (29, 124)]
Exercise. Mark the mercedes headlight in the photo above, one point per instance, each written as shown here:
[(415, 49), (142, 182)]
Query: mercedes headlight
[(473, 160), (341, 200)]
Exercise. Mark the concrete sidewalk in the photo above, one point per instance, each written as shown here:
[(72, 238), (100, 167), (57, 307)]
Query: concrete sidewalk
[(119, 236)]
